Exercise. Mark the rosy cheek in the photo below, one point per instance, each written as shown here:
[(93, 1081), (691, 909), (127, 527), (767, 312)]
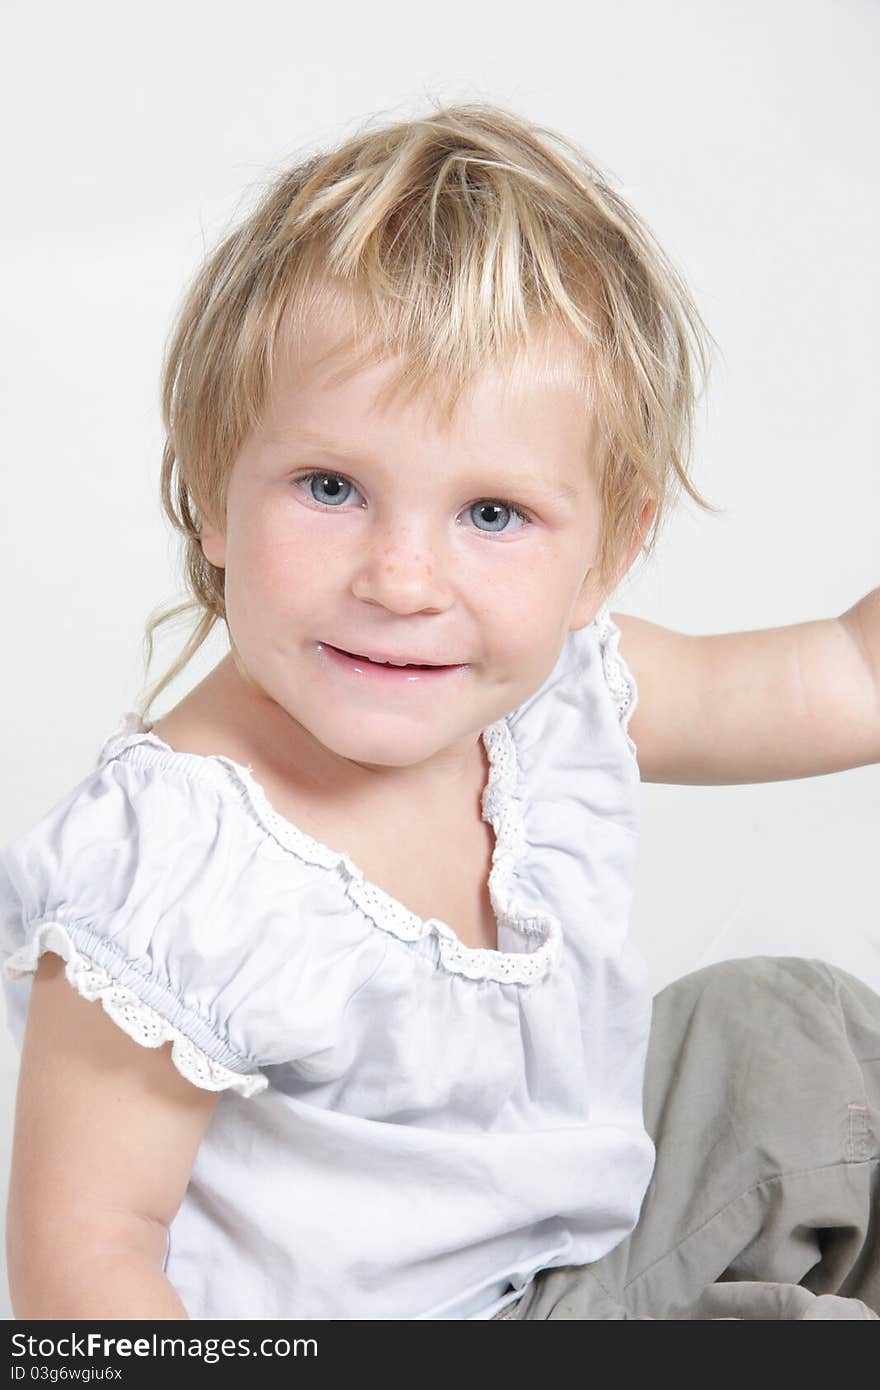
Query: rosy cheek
[(269, 548), (286, 577)]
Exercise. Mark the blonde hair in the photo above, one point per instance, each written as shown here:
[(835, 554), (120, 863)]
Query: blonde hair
[(452, 237)]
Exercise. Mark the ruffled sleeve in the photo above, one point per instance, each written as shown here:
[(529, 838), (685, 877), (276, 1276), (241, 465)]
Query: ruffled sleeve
[(619, 679), (170, 907)]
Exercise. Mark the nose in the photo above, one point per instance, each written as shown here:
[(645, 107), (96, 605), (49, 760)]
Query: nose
[(403, 572)]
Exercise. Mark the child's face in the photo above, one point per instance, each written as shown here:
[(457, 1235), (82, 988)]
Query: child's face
[(394, 548)]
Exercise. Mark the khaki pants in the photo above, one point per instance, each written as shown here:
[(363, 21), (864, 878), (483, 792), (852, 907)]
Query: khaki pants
[(762, 1096)]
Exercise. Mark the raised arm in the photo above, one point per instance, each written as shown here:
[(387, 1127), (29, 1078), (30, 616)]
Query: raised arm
[(762, 706)]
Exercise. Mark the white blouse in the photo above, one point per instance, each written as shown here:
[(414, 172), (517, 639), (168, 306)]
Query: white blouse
[(409, 1127)]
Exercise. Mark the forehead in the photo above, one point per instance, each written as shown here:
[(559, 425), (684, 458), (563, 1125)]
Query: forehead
[(326, 374)]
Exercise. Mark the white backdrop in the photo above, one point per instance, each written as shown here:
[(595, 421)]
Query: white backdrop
[(747, 138)]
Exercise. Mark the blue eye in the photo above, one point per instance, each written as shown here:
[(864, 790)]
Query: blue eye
[(336, 489), (499, 506), (333, 490)]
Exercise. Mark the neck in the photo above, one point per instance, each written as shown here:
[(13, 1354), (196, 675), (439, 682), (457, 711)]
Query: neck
[(280, 743)]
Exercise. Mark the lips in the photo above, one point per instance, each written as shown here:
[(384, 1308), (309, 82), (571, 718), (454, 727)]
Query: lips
[(390, 661), (381, 676)]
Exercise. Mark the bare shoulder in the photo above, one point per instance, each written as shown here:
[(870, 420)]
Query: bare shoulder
[(647, 645), (186, 733), (664, 665), (203, 721)]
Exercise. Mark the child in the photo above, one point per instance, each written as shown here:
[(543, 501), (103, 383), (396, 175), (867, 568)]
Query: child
[(356, 1029)]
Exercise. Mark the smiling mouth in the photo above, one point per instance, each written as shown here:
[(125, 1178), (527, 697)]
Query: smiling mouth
[(409, 666)]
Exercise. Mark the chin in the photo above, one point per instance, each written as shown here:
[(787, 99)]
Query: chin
[(390, 750), (382, 755)]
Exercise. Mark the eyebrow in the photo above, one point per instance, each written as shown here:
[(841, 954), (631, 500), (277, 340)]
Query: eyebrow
[(333, 446), (560, 486)]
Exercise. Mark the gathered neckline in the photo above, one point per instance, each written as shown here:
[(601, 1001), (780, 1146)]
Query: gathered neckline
[(501, 807)]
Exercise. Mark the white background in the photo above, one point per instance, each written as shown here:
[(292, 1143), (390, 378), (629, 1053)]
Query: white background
[(745, 135)]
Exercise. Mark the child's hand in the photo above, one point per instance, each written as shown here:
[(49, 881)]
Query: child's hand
[(761, 706)]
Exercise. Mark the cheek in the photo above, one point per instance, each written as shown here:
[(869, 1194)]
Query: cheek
[(280, 563), (531, 588), (518, 613)]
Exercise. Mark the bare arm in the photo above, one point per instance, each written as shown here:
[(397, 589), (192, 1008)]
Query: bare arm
[(125, 1283), (106, 1132), (761, 706)]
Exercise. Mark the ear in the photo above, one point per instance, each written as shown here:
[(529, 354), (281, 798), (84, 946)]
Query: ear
[(214, 545), (591, 597)]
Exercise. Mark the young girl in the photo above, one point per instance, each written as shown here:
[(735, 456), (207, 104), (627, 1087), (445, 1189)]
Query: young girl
[(322, 982)]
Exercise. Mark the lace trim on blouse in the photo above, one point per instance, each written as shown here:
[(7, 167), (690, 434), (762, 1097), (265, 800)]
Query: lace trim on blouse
[(618, 677), (501, 806), (134, 1017)]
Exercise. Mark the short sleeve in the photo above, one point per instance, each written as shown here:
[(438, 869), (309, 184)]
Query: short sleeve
[(136, 880)]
